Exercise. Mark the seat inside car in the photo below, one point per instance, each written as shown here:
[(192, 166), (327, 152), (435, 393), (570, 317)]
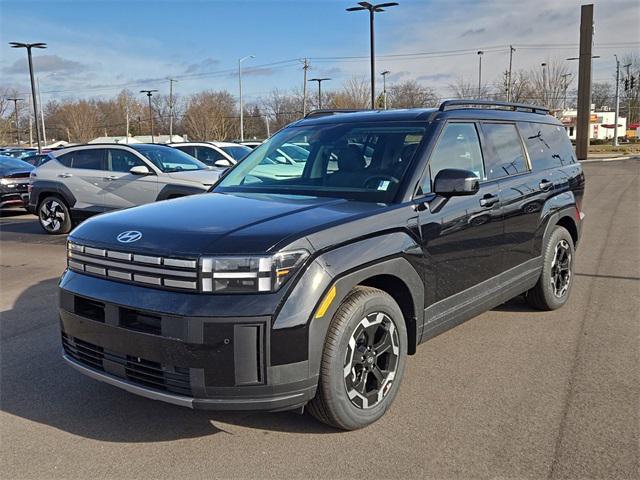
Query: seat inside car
[(351, 167)]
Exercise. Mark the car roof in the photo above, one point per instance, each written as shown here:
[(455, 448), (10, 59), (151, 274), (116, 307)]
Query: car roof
[(217, 144)]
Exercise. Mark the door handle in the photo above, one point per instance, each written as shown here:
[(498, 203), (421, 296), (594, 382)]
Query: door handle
[(546, 185), (65, 175), (489, 200)]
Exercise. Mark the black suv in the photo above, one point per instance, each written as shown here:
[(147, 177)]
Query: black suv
[(311, 285)]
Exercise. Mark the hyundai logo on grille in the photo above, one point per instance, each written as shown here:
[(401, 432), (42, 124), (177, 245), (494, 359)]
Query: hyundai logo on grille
[(129, 236)]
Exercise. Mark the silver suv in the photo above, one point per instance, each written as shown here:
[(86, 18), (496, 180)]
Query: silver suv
[(85, 180)]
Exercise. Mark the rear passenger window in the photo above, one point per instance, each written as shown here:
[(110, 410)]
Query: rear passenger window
[(208, 155), (506, 156), (91, 159), (458, 147), (548, 145)]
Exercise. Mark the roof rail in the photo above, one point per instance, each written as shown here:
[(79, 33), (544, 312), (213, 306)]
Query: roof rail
[(332, 111), (452, 104)]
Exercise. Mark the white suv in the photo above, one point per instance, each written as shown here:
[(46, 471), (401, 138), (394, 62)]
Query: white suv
[(84, 180), (215, 154)]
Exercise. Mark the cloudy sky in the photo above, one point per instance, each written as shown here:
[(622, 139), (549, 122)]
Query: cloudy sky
[(97, 47)]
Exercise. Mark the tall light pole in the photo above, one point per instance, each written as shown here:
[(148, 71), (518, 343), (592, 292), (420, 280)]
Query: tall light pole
[(480, 54), (373, 9), (30, 46), (565, 84), (240, 60), (171, 81), (509, 94), (15, 106), (319, 80), (384, 87), (544, 84), (149, 94), (44, 130), (615, 123)]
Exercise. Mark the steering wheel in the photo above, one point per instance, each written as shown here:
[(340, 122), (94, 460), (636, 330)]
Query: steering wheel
[(368, 183)]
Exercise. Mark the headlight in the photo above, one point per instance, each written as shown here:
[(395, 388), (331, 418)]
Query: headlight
[(249, 274)]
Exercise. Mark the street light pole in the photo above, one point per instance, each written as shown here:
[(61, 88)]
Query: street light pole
[(149, 94), (171, 81), (544, 84), (480, 53), (565, 84), (319, 80), (29, 46), (15, 106), (240, 60), (373, 9), (384, 87), (44, 131)]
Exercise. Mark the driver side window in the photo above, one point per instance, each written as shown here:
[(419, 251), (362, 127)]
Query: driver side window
[(458, 147)]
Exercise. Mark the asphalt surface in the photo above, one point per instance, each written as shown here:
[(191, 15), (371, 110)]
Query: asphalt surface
[(513, 393)]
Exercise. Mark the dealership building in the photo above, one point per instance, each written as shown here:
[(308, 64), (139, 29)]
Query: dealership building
[(601, 124)]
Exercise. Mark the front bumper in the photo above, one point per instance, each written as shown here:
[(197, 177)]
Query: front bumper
[(197, 361), (14, 199)]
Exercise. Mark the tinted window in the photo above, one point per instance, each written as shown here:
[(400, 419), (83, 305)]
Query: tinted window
[(188, 150), (548, 145), (458, 147), (122, 161), (339, 163), (87, 159), (506, 156), (208, 155), (237, 152)]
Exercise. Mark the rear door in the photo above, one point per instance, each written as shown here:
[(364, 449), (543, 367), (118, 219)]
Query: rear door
[(83, 172), (520, 193), (462, 241), (124, 189)]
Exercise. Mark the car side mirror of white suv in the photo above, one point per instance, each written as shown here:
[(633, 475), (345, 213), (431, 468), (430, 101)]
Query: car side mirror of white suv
[(140, 170), (222, 163)]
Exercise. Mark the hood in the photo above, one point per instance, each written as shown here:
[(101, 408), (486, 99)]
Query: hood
[(217, 223), (204, 177)]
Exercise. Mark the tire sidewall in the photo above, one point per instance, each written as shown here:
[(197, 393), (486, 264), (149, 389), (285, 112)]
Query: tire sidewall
[(558, 234), (348, 413)]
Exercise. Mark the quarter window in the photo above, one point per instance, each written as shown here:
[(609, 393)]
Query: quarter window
[(458, 147), (548, 145), (208, 155), (507, 156)]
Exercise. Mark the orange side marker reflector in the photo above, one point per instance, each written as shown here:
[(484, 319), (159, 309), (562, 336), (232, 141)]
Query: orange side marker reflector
[(326, 302)]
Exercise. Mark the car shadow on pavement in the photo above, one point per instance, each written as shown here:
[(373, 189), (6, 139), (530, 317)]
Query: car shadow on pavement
[(36, 385)]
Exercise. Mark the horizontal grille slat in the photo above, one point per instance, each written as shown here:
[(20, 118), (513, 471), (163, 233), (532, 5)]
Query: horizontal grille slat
[(150, 271)]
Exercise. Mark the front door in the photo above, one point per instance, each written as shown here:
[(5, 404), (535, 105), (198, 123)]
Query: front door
[(462, 239), (123, 189)]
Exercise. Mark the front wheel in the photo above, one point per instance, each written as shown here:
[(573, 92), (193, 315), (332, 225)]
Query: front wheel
[(54, 216), (363, 360)]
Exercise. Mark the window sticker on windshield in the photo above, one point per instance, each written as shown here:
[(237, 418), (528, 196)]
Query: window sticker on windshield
[(383, 185)]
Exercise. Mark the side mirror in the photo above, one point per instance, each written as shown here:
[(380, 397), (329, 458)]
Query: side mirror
[(452, 182), (140, 170), (222, 163)]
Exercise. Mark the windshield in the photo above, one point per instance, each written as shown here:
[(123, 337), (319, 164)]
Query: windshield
[(9, 163), (237, 152), (169, 159), (349, 160)]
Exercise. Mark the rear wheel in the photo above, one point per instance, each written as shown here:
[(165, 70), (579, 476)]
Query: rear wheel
[(363, 360), (54, 215), (554, 285)]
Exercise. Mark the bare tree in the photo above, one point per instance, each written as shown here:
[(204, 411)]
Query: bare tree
[(354, 94), (77, 120), (548, 87), (281, 108), (211, 115), (410, 94), (463, 88), (602, 95)]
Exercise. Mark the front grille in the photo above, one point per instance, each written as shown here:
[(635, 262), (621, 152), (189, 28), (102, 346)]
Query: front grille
[(162, 272), (134, 369)]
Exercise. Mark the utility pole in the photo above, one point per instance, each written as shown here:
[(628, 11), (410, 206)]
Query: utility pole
[(240, 60), (44, 131), (305, 68), (373, 9), (384, 87), (319, 80), (171, 80), (544, 84), (565, 85), (127, 128), (480, 53), (628, 92), (584, 81), (266, 121), (509, 94), (615, 124), (17, 120), (149, 94)]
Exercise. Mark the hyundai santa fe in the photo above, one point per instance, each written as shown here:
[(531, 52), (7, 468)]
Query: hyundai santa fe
[(311, 290)]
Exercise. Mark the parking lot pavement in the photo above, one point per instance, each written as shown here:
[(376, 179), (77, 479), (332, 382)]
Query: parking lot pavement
[(513, 393)]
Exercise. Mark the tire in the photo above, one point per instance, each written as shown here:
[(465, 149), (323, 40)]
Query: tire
[(367, 317), (555, 282), (54, 215)]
